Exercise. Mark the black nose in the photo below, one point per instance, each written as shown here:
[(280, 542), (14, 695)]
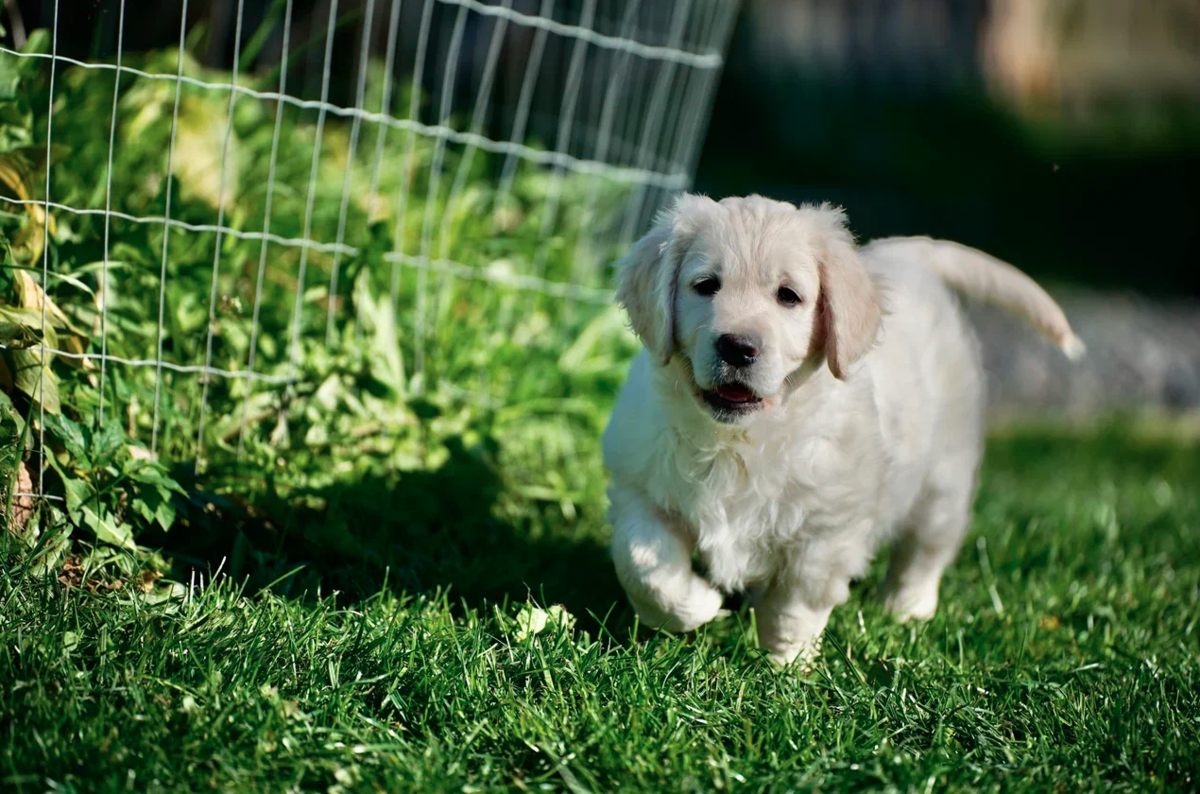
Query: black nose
[(736, 350)]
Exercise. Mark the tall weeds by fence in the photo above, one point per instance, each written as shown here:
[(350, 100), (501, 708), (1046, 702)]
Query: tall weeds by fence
[(363, 209)]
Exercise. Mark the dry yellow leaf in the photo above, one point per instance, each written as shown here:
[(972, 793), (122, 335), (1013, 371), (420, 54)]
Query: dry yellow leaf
[(32, 296), (16, 173)]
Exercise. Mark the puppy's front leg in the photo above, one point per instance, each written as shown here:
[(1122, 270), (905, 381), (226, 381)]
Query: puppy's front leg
[(794, 609), (790, 625), (654, 565)]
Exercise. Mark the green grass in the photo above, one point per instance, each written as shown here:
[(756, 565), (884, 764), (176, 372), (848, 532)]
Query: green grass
[(1064, 658)]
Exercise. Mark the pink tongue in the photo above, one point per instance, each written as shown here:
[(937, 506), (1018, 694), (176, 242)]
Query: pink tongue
[(735, 394)]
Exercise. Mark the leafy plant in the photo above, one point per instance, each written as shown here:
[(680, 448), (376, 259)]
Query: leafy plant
[(334, 336)]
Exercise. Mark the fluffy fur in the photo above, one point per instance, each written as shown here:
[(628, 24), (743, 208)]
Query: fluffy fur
[(858, 421)]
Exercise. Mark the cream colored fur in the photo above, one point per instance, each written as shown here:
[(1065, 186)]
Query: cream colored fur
[(866, 427)]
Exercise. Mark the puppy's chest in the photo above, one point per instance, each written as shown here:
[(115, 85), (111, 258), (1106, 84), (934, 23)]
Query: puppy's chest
[(747, 516)]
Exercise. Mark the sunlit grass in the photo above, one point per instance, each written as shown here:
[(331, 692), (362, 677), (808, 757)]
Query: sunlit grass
[(1064, 657)]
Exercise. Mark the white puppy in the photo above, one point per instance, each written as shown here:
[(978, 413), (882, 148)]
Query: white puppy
[(800, 401)]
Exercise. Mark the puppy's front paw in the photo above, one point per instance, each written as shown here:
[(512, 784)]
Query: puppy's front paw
[(799, 658), (912, 603), (685, 613)]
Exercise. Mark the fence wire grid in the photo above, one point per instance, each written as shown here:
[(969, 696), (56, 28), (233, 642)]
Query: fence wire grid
[(276, 177)]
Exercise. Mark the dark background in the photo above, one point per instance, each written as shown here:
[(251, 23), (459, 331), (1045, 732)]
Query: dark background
[(910, 142), (884, 109)]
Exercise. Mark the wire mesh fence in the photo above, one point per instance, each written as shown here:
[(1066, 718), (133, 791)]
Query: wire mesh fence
[(436, 185)]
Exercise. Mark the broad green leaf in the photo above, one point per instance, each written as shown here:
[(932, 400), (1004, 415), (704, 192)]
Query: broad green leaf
[(38, 41), (108, 531), (152, 474), (143, 509), (379, 320), (10, 81), (78, 493), (107, 441), (165, 514), (71, 434)]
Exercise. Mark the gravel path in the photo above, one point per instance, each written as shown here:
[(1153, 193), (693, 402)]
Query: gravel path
[(1142, 354)]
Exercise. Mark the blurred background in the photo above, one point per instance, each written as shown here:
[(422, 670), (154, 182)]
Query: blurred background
[(1060, 135)]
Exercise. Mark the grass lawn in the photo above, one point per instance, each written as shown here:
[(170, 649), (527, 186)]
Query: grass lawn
[(1064, 658)]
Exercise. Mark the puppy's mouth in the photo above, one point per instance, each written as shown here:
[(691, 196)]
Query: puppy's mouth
[(731, 400)]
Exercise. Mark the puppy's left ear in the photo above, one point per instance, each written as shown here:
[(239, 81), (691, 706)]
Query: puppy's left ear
[(649, 274), (850, 306)]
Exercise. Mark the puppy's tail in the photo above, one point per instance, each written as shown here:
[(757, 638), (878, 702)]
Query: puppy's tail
[(988, 280)]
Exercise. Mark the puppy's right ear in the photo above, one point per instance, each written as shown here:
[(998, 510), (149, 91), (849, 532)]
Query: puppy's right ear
[(649, 274)]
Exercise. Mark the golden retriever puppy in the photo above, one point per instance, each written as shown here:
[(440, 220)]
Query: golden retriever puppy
[(800, 401)]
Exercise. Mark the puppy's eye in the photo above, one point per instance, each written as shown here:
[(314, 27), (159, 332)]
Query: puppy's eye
[(788, 297), (707, 286)]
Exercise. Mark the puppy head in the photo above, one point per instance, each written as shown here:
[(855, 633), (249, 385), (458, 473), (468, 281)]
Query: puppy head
[(747, 291)]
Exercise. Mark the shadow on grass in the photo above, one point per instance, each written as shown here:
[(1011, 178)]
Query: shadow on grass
[(414, 532), (444, 529)]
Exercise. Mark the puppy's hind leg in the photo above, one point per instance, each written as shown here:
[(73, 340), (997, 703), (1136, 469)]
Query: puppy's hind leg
[(654, 565), (929, 544)]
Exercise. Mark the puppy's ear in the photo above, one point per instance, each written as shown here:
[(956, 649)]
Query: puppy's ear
[(849, 303), (649, 274)]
